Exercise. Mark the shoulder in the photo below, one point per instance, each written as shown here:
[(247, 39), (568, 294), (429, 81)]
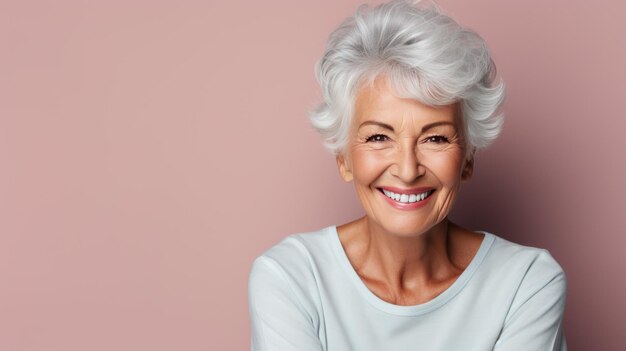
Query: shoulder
[(525, 271), (295, 260), (523, 259), (286, 276), (531, 288), (296, 252)]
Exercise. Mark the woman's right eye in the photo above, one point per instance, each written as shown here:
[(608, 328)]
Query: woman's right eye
[(376, 138)]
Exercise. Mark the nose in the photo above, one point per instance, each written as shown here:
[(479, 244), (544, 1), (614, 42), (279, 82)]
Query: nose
[(407, 165)]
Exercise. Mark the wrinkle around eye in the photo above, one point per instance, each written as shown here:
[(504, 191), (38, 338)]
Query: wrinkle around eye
[(440, 147), (372, 146)]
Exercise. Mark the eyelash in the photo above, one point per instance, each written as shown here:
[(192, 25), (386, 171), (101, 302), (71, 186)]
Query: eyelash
[(369, 138), (438, 138)]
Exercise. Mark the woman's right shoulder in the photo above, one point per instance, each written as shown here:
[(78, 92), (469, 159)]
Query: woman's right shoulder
[(296, 257), (287, 275), (297, 247)]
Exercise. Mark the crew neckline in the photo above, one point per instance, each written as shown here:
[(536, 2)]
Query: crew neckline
[(412, 310)]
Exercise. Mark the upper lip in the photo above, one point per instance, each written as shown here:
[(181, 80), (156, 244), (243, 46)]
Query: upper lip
[(406, 191)]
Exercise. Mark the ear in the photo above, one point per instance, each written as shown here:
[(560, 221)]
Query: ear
[(345, 168), (468, 168)]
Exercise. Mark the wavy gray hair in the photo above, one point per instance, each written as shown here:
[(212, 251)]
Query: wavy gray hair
[(426, 55)]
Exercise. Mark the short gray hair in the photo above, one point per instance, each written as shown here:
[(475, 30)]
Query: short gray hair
[(425, 54)]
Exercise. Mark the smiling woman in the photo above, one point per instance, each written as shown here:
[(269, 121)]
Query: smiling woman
[(413, 141), (409, 96)]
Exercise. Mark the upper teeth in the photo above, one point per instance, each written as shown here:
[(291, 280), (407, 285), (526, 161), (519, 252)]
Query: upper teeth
[(405, 197)]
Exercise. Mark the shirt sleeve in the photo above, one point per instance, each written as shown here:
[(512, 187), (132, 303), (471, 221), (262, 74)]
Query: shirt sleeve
[(279, 320), (535, 319)]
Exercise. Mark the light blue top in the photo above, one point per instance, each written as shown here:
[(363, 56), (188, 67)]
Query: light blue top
[(305, 295)]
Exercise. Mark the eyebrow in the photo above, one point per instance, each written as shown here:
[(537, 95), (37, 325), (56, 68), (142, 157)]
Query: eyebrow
[(424, 128)]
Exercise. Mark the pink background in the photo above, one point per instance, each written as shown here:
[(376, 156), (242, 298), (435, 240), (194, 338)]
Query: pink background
[(150, 150)]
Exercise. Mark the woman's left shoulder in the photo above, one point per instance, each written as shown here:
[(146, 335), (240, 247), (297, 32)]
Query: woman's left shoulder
[(531, 264), (533, 288)]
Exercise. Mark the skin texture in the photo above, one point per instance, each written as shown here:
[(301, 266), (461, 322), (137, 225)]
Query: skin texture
[(405, 257)]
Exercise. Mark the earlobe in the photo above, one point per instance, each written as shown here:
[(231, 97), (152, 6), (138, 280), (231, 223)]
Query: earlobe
[(468, 169), (344, 168)]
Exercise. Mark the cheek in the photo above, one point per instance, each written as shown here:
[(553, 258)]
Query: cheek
[(447, 167), (367, 166)]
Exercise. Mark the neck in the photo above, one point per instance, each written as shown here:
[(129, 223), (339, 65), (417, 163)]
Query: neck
[(404, 262)]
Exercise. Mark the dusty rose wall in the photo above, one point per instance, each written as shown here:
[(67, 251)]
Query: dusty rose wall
[(149, 150)]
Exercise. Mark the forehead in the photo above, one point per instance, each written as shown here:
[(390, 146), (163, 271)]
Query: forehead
[(378, 101)]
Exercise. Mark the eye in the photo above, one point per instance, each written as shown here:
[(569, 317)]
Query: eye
[(376, 138), (437, 139)]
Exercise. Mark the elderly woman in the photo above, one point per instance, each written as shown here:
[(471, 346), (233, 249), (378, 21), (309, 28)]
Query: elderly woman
[(409, 96)]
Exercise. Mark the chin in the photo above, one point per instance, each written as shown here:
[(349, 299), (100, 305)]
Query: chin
[(406, 228)]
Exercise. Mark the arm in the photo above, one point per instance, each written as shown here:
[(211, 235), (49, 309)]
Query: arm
[(535, 319), (279, 319)]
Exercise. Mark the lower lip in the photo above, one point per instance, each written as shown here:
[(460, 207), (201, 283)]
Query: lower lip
[(408, 205)]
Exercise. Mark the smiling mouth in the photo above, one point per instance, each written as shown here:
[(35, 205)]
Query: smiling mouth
[(406, 198)]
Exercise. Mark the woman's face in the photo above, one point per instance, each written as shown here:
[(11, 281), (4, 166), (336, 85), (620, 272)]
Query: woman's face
[(413, 150)]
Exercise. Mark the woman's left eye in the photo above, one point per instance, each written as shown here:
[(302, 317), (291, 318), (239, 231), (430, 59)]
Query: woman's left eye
[(437, 139)]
